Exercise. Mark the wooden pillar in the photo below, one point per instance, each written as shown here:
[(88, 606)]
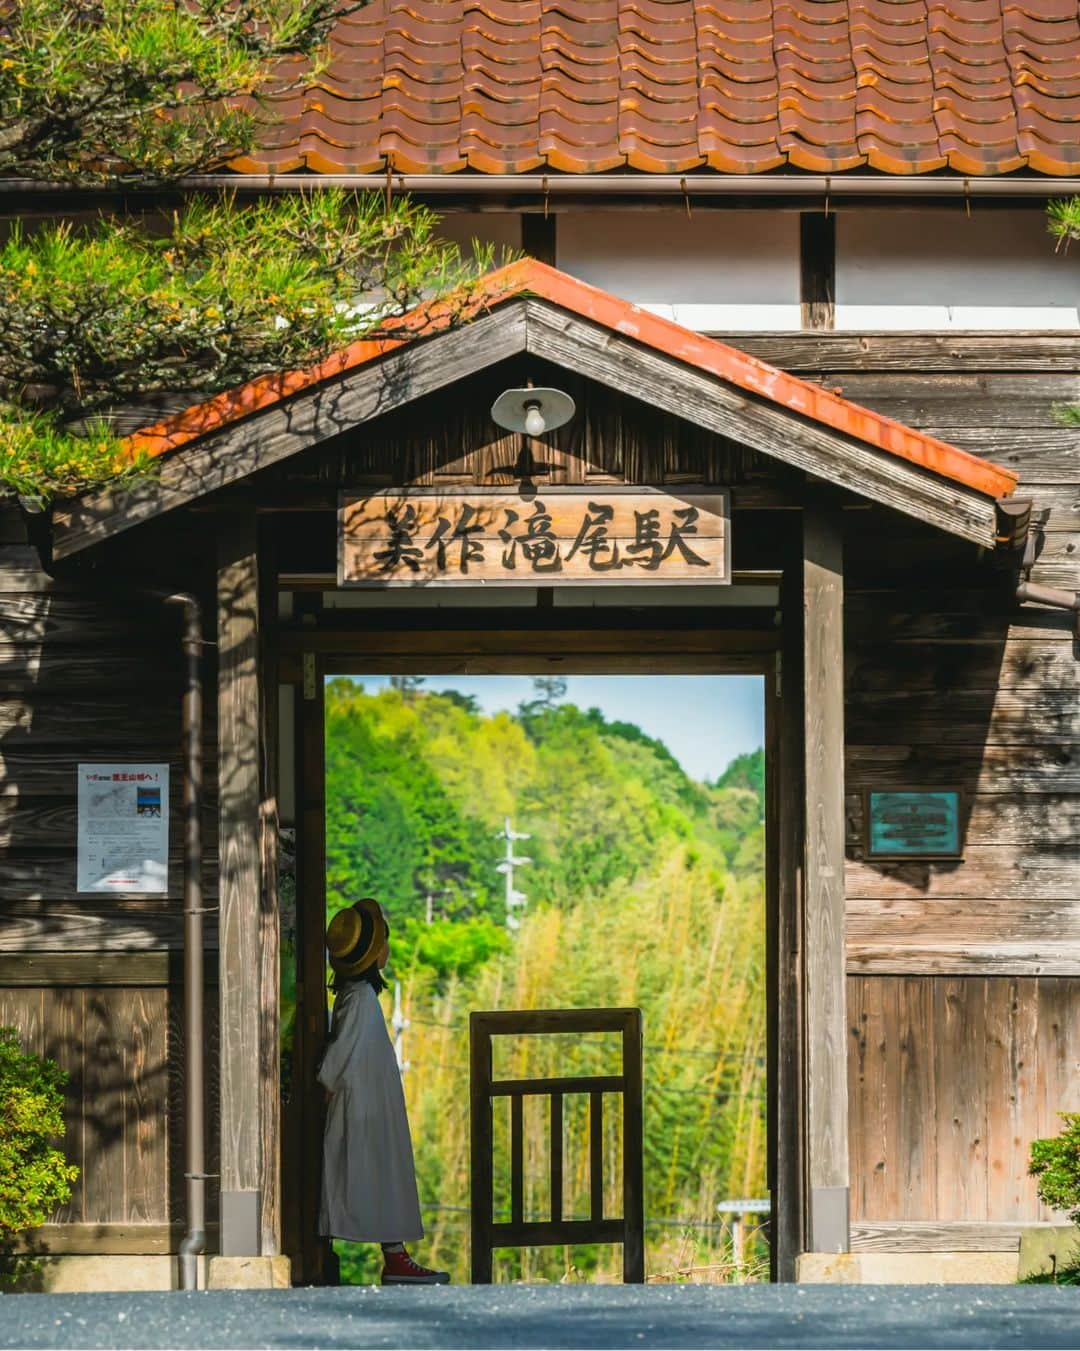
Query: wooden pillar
[(247, 829), (823, 939)]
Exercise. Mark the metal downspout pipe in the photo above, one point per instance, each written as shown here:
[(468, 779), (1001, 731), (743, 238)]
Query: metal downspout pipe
[(194, 1241)]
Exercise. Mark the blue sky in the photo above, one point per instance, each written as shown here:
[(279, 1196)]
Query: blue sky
[(705, 721)]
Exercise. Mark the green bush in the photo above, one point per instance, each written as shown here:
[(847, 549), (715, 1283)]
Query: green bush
[(1056, 1163), (35, 1177)]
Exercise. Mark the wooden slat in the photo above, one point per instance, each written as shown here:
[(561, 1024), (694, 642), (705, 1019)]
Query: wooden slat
[(92, 926), (517, 1159), (110, 1239), (959, 1023), (826, 1017), (836, 353), (935, 1236), (963, 937), (542, 1233), (596, 1156), (986, 871), (556, 1157), (813, 448), (480, 1148), (505, 1022), (633, 1195), (976, 768), (128, 969), (916, 1157), (966, 716), (278, 432), (583, 1083), (1011, 665)]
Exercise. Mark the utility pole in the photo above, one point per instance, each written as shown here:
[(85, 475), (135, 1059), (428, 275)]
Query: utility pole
[(399, 1023), (506, 867)]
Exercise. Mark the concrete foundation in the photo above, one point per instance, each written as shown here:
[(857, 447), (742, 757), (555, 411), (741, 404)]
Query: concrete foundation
[(71, 1274), (907, 1268), (249, 1273), (68, 1275)]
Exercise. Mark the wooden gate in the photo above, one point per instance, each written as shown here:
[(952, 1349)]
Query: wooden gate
[(487, 1234)]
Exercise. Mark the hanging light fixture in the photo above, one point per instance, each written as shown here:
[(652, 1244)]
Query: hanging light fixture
[(532, 411)]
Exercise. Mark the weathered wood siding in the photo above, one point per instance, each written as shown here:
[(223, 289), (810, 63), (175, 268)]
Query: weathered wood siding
[(954, 970), (89, 671), (964, 977)]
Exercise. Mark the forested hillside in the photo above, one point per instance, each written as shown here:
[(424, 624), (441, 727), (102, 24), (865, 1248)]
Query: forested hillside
[(644, 888)]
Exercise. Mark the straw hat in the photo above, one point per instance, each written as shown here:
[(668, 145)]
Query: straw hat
[(355, 937)]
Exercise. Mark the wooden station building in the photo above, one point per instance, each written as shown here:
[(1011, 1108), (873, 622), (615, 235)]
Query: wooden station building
[(861, 493), (925, 1010)]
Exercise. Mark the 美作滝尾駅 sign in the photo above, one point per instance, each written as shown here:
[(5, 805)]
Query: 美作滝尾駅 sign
[(917, 823), (123, 829), (541, 538)]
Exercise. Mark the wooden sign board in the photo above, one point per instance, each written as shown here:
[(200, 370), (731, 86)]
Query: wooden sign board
[(550, 537), (912, 823)]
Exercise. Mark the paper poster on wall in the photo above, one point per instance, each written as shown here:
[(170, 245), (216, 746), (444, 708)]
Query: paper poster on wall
[(124, 829)]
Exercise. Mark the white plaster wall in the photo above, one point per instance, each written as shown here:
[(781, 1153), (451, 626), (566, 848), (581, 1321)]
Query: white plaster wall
[(712, 271), (934, 269)]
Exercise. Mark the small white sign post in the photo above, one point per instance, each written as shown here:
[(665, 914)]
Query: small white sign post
[(123, 832)]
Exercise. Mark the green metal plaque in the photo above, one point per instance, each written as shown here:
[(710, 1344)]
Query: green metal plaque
[(913, 823)]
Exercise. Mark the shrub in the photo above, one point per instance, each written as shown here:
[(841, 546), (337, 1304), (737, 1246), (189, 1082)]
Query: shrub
[(35, 1177), (1056, 1163)]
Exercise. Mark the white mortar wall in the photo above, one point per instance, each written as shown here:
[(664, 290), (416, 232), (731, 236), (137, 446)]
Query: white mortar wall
[(933, 269), (713, 271)]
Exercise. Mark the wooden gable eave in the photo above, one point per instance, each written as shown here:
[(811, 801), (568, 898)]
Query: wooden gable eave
[(281, 430), (774, 431), (528, 323)]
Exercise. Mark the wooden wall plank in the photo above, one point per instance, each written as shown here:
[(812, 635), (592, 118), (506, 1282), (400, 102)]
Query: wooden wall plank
[(963, 937), (240, 884), (986, 871)]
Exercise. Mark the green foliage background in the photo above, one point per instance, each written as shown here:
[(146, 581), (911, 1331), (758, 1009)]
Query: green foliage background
[(645, 889)]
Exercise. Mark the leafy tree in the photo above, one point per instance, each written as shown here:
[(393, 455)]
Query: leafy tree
[(94, 316), (35, 1177), (105, 91), (138, 93)]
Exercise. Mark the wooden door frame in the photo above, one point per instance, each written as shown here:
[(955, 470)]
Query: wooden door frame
[(307, 658)]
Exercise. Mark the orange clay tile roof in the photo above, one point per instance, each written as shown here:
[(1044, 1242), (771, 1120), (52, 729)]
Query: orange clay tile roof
[(531, 278), (673, 86)]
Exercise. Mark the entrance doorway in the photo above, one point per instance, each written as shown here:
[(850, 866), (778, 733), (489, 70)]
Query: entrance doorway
[(649, 883)]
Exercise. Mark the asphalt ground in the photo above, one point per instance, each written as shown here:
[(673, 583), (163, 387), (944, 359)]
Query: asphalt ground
[(524, 1316)]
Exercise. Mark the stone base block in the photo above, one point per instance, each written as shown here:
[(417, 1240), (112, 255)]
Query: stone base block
[(1048, 1248), (249, 1273), (907, 1268)]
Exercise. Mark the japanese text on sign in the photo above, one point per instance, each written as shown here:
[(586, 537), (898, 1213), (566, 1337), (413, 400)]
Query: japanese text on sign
[(123, 829), (410, 539)]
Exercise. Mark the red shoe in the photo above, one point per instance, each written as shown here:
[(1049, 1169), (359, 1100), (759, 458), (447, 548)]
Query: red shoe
[(400, 1269)]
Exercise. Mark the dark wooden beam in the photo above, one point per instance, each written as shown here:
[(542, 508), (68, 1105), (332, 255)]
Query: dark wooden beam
[(538, 237), (823, 933), (817, 269)]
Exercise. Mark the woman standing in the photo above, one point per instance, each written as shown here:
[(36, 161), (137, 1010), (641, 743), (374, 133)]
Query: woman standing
[(369, 1179)]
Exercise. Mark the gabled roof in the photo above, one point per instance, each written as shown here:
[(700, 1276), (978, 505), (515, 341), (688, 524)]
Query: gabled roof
[(676, 86), (528, 306)]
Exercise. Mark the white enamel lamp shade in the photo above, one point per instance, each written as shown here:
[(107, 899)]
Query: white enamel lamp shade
[(533, 411)]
